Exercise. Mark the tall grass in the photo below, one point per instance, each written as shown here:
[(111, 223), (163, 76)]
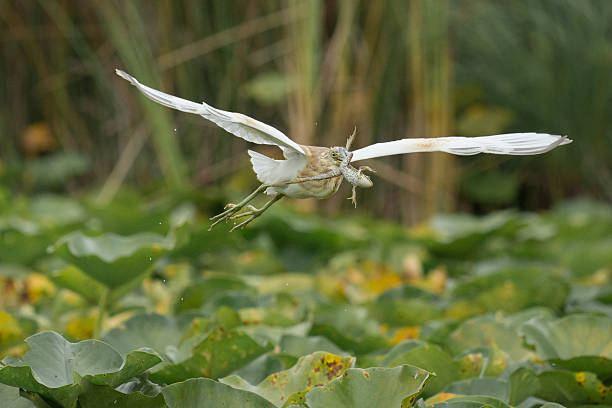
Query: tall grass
[(315, 69)]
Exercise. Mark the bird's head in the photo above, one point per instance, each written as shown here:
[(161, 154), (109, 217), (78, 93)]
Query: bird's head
[(338, 153)]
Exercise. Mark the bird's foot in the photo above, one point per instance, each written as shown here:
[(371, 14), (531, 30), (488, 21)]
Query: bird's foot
[(252, 212), (353, 197), (230, 210)]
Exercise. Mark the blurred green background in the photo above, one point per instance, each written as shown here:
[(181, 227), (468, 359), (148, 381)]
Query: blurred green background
[(314, 69)]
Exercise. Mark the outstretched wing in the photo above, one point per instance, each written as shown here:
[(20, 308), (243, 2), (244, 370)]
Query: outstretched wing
[(236, 123), (510, 143)]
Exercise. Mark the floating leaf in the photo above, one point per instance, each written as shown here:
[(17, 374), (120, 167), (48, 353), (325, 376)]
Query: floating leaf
[(111, 259), (205, 393), (490, 387), (220, 353), (433, 359), (55, 368), (578, 342), (11, 399), (310, 371), (161, 333), (472, 401), (372, 387), (573, 387), (513, 289), (487, 332)]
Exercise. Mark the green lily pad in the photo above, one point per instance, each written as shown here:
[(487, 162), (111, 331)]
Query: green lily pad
[(21, 241), (486, 331), (74, 279), (571, 336), (433, 359), (372, 387), (302, 345), (310, 371), (218, 354), (472, 401), (573, 387), (161, 333), (205, 393), (524, 383), (55, 368), (11, 399), (349, 327), (110, 259), (204, 290), (578, 342), (513, 289), (257, 370), (102, 396), (406, 306), (491, 387)]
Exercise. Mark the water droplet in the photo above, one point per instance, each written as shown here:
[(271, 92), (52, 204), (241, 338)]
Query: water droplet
[(175, 129), (182, 298), (150, 259), (160, 223)]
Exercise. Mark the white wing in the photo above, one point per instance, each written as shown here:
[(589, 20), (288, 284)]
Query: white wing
[(510, 143), (236, 123)]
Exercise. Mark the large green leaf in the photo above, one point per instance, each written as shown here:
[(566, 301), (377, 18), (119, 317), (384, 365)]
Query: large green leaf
[(578, 342), (372, 387), (472, 401), (513, 289), (111, 259), (486, 331), (71, 277), (433, 359), (103, 396), (310, 371), (573, 387), (571, 336), (55, 368), (11, 399), (490, 387), (302, 345), (217, 355), (205, 393), (162, 334)]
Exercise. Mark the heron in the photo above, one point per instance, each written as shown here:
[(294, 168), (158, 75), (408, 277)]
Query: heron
[(317, 172)]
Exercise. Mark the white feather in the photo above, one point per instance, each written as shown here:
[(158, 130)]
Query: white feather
[(236, 123), (276, 172), (510, 143)]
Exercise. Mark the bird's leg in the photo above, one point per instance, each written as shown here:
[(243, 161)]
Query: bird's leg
[(231, 209), (349, 141), (254, 212), (334, 173)]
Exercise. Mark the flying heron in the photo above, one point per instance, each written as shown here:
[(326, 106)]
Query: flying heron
[(314, 171)]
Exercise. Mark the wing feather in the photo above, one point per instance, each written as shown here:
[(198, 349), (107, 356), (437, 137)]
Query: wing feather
[(510, 143), (236, 123)]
